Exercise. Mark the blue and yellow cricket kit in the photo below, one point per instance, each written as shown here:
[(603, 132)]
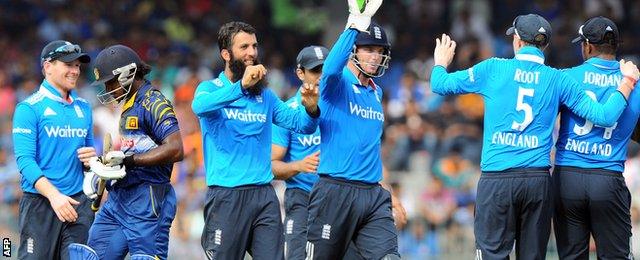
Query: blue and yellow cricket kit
[(347, 204), (522, 98), (241, 209), (591, 194), (296, 197), (47, 131), (141, 206)]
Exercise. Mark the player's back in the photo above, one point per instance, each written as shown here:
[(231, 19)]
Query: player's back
[(522, 98), (521, 103), (583, 144)]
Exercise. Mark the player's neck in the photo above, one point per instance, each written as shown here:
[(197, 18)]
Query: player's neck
[(135, 86), (606, 56), (228, 73), (362, 79), (63, 93)]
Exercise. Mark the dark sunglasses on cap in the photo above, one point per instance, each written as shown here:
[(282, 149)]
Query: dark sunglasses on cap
[(61, 51)]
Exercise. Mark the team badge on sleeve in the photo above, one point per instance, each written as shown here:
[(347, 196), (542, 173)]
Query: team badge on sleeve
[(132, 122)]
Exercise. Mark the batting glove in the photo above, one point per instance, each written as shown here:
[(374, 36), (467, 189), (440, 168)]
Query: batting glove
[(114, 158), (90, 185), (360, 13), (105, 172)]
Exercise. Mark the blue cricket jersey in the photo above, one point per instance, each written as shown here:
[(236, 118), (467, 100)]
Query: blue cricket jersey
[(584, 144), (47, 131), (298, 147), (522, 97), (352, 118), (236, 130), (147, 119)]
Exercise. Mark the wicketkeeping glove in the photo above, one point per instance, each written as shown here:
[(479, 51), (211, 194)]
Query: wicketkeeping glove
[(360, 13), (105, 172)]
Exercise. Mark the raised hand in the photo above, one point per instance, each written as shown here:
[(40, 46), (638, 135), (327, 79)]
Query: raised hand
[(444, 51), (360, 13), (253, 74), (309, 94)]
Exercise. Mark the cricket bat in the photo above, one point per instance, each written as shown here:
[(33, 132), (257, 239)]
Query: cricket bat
[(107, 146)]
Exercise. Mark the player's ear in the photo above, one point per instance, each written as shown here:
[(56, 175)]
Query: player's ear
[(590, 48), (226, 56), (300, 74), (46, 66)]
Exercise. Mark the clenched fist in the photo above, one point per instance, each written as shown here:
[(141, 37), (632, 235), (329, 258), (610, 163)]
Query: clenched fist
[(252, 75)]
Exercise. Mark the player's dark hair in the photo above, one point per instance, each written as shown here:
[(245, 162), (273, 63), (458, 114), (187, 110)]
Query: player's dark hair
[(143, 70), (316, 69), (609, 45), (229, 30), (540, 41)]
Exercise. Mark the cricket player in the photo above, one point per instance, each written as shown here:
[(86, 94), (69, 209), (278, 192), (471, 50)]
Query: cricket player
[(347, 204), (591, 198), (52, 129), (236, 110), (295, 158), (141, 202), (522, 98)]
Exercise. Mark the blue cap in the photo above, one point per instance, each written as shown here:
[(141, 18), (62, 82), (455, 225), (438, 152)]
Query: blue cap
[(311, 56), (595, 29), (63, 51), (375, 36), (531, 28)]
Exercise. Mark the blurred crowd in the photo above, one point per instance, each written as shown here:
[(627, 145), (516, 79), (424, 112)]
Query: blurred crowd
[(432, 144)]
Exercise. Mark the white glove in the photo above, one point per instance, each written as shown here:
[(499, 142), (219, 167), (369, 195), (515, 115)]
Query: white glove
[(360, 13), (113, 158), (106, 172), (90, 185)]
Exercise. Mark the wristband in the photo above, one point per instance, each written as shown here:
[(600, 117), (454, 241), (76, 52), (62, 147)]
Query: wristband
[(633, 81), (128, 161)]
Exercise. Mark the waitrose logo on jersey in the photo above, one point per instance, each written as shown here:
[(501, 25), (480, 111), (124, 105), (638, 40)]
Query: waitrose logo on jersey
[(65, 132), (245, 115)]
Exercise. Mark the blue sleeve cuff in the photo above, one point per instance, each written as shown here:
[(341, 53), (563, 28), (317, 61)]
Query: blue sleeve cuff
[(625, 99)]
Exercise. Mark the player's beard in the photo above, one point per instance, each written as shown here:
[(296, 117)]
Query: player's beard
[(237, 67)]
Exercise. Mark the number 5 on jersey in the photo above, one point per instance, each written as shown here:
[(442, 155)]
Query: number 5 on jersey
[(522, 106)]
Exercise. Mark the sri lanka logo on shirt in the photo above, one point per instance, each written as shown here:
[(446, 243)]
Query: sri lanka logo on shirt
[(132, 122)]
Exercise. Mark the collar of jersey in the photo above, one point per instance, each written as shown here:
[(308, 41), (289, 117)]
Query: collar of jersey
[(604, 64), (532, 54), (298, 97), (49, 91), (132, 99), (225, 80), (355, 80)]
